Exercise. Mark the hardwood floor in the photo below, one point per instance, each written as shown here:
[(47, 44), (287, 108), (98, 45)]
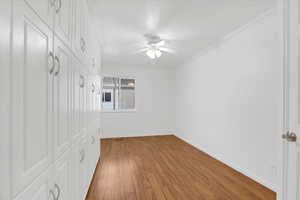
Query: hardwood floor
[(167, 168)]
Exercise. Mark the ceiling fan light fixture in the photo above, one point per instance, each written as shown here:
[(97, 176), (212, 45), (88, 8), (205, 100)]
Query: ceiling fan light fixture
[(154, 46), (158, 53), (151, 53)]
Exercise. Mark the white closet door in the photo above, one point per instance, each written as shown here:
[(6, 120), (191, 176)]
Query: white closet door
[(93, 147), (77, 84), (83, 169), (98, 99), (80, 37), (90, 101), (63, 19), (62, 177), (80, 171), (44, 9), (40, 189), (83, 102), (31, 97), (62, 114)]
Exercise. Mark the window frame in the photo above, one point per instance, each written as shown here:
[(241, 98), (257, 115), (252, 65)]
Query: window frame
[(119, 110)]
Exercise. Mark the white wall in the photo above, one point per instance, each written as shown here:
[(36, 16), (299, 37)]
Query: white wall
[(154, 104), (230, 99)]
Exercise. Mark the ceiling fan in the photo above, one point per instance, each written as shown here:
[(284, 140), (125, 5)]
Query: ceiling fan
[(155, 46)]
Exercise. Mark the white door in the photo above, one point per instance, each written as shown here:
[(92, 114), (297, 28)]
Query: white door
[(91, 89), (62, 177), (83, 169), (80, 170), (77, 84), (83, 102), (93, 149), (63, 16), (61, 100), (44, 9), (80, 28), (292, 143), (32, 75), (40, 189)]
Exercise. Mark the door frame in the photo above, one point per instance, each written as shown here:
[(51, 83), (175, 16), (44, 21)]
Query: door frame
[(284, 13)]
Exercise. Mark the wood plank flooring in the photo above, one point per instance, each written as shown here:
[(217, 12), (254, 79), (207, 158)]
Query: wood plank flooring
[(167, 168)]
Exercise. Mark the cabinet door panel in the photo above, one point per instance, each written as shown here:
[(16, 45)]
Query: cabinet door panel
[(44, 9), (80, 170), (89, 100), (77, 82), (63, 16), (93, 147), (83, 103), (61, 95), (31, 97), (40, 189), (80, 36), (62, 177)]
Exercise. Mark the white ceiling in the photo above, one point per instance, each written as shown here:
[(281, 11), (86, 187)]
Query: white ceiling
[(187, 25)]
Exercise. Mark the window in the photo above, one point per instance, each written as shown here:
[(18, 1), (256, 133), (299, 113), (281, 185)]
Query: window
[(118, 94)]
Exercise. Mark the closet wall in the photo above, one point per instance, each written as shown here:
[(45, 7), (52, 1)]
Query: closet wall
[(55, 100)]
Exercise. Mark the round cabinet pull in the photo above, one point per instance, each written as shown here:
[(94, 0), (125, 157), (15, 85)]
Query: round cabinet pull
[(58, 191), (52, 195), (81, 84), (93, 88), (93, 139), (93, 62), (82, 44), (82, 153), (59, 6), (51, 63), (58, 65)]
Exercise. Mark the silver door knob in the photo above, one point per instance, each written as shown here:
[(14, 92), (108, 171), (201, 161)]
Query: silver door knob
[(290, 137), (51, 62), (82, 155), (93, 139), (58, 5), (51, 195), (58, 191)]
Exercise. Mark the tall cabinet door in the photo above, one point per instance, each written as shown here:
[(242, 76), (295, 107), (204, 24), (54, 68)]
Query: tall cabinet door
[(94, 150), (62, 177), (32, 75), (40, 189), (80, 169), (80, 37), (63, 19), (83, 102), (61, 100), (44, 9), (77, 84)]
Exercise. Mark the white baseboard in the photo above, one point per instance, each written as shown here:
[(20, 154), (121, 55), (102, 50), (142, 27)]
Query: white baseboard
[(137, 135), (233, 165)]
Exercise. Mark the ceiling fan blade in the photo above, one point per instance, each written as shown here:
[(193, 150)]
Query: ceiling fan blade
[(140, 50), (166, 50), (161, 43)]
